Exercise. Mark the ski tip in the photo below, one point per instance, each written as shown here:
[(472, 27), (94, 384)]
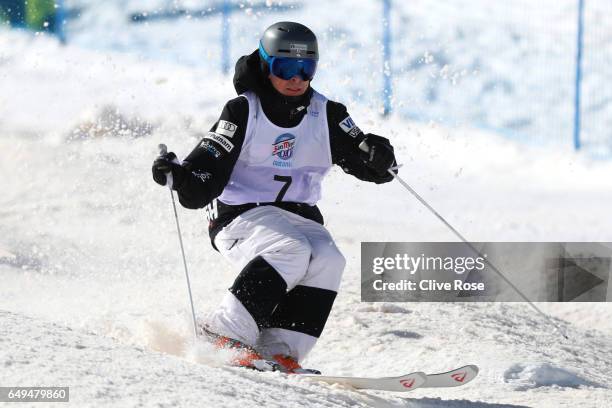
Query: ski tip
[(472, 367), (474, 370), (454, 378)]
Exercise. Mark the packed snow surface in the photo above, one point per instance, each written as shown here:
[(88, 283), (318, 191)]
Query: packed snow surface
[(93, 294)]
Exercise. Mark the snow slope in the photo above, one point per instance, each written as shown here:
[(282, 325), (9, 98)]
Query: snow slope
[(93, 293)]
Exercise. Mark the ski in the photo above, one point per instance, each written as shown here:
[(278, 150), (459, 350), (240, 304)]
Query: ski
[(402, 383), (454, 378)]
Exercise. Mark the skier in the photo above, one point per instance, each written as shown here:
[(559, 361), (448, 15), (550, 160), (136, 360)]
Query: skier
[(258, 172)]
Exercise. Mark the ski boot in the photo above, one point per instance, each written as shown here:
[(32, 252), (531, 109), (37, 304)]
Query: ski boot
[(244, 355), (290, 365)]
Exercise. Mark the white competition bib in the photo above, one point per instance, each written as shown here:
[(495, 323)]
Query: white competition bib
[(281, 164)]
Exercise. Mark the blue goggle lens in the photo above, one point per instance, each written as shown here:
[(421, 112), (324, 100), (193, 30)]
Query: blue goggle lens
[(286, 68)]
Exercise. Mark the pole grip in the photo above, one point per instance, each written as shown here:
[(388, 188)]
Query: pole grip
[(363, 146)]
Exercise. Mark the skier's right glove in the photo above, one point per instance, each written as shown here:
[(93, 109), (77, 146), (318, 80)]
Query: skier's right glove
[(167, 164)]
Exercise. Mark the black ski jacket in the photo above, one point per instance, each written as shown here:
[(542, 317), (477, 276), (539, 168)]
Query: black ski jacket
[(209, 166)]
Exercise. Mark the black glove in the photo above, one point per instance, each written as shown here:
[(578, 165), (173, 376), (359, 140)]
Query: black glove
[(380, 156), (168, 163)]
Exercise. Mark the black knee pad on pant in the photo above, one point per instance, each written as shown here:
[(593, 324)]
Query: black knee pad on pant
[(260, 288), (304, 309)]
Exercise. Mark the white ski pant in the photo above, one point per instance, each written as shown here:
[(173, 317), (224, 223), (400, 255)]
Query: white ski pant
[(290, 271)]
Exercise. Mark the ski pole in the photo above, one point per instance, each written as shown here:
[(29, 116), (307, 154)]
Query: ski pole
[(364, 147), (163, 149)]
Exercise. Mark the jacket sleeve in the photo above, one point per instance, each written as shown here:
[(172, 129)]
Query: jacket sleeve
[(209, 165), (345, 137)]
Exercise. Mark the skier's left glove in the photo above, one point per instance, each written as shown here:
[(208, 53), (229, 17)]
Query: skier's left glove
[(167, 170), (380, 156)]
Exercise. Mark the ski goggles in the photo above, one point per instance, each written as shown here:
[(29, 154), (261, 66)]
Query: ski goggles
[(286, 68)]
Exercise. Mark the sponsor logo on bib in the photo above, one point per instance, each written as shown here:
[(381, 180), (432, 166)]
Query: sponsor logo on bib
[(283, 149)]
